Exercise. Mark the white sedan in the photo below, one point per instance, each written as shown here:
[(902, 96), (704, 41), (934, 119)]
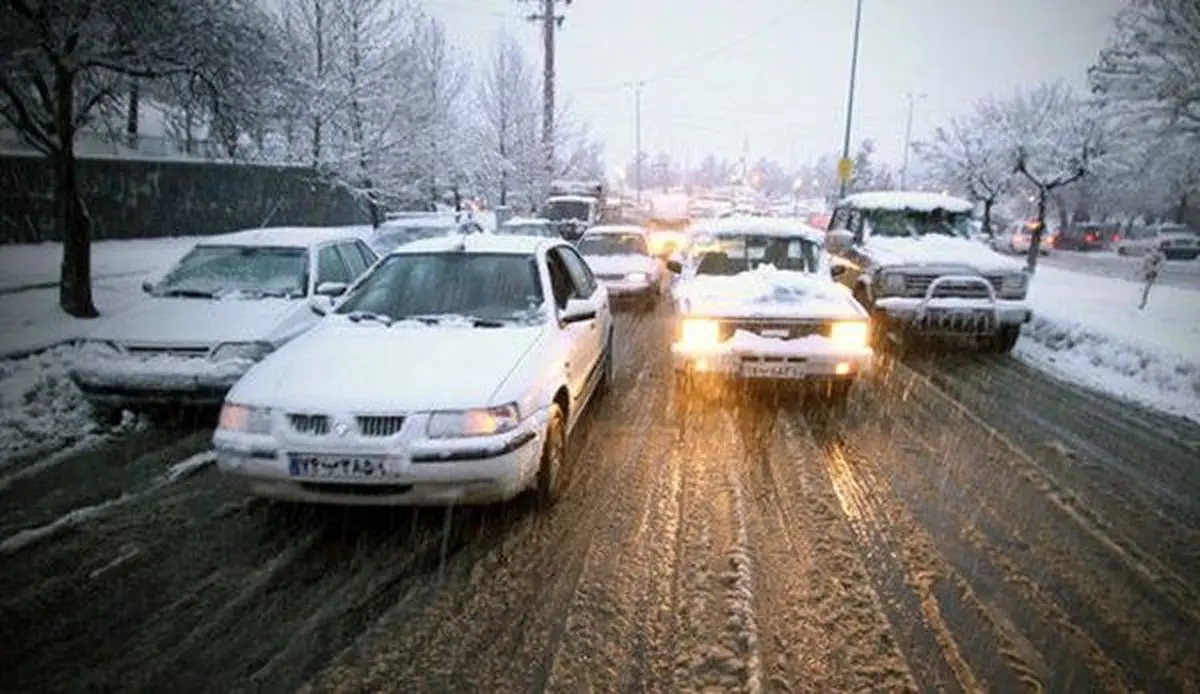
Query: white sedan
[(453, 373), (620, 257), (757, 301), (226, 304)]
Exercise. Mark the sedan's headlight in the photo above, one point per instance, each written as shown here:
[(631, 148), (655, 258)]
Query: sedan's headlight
[(637, 277), (242, 351), (99, 349), (849, 333), (891, 283), (244, 419), (483, 421), (1014, 284), (699, 332)]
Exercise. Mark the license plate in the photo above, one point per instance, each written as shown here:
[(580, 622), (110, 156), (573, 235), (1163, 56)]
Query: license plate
[(772, 370), (338, 467), (959, 320)]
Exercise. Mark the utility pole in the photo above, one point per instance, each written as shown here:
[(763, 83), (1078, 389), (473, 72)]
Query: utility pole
[(637, 137), (844, 166), (550, 23), (912, 100)]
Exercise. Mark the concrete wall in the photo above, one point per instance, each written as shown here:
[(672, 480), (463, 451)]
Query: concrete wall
[(147, 198)]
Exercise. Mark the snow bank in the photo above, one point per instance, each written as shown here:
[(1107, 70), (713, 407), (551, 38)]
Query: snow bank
[(24, 265), (31, 320), (40, 408), (1089, 329)]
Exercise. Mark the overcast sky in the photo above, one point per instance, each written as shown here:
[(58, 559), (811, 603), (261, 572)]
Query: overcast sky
[(774, 73)]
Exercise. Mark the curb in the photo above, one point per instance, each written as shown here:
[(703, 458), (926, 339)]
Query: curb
[(26, 352), (52, 284)]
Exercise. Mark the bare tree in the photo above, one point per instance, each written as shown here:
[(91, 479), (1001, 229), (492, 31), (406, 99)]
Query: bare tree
[(63, 61), (508, 120), (965, 153), (1152, 65)]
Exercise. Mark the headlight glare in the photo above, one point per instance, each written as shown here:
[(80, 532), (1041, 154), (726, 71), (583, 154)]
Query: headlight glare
[(699, 333), (241, 351), (244, 419), (482, 421), (637, 277), (849, 333)]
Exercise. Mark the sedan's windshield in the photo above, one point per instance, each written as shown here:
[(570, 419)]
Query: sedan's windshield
[(613, 244), (729, 254), (396, 235), (253, 271), (487, 286), (560, 210), (908, 223)]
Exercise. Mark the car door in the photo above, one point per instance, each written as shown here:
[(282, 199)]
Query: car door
[(589, 289), (573, 336), (853, 262)]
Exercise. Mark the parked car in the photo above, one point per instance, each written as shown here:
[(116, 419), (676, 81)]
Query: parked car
[(916, 269), (229, 302), (528, 226), (453, 373), (757, 300), (1017, 237), (620, 257), (1177, 241), (409, 227), (1087, 237)]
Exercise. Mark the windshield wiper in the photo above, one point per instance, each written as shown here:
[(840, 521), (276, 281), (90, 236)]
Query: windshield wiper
[(188, 293), (478, 322), (360, 316), (475, 321)]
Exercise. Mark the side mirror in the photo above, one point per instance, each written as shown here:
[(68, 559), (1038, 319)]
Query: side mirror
[(837, 271), (320, 304), (328, 289), (148, 287), (577, 311), (675, 266), (839, 240)]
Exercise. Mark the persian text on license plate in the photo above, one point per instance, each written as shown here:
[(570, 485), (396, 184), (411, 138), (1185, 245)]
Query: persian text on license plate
[(772, 370), (338, 467)]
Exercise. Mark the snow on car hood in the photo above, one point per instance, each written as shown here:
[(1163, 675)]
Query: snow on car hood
[(168, 321), (767, 293), (619, 264), (935, 250), (404, 367)]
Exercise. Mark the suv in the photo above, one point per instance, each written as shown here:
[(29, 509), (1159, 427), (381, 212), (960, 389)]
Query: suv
[(1176, 241), (914, 266)]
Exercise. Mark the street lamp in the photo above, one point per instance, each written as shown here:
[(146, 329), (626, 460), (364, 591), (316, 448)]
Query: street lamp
[(844, 165), (912, 100)]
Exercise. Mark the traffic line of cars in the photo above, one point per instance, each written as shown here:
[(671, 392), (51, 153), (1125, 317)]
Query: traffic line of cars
[(453, 369)]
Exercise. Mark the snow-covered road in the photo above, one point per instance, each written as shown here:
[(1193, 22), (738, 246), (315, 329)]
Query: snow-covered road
[(968, 525)]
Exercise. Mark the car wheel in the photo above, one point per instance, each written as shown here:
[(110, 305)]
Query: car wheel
[(608, 369), (1005, 339), (1122, 251), (554, 458)]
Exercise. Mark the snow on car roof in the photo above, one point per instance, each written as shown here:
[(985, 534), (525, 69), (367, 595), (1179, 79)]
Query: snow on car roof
[(615, 229), (515, 221), (762, 226), (287, 237), (907, 200), (479, 243)]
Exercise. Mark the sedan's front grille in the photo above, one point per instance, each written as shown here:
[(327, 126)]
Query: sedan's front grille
[(310, 424), (379, 426), (768, 328), (917, 285), (189, 352)]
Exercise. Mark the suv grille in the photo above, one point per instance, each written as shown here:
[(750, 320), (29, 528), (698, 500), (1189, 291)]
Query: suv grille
[(917, 285), (379, 426), (311, 424)]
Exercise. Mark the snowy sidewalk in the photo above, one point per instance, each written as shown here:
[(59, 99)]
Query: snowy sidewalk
[(32, 266), (1088, 329)]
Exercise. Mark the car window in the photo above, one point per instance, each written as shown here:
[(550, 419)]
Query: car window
[(561, 284), (211, 270), (368, 255), (353, 258), (330, 267), (581, 274), (839, 219), (613, 244), (731, 254), (489, 286)]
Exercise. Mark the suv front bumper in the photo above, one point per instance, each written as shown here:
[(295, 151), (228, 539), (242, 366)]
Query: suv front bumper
[(955, 315)]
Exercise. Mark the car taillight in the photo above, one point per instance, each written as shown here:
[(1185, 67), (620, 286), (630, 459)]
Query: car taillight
[(1116, 237), (1089, 237)]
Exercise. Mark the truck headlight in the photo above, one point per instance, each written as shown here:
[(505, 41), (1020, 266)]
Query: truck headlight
[(1014, 284), (849, 333), (482, 421), (244, 419), (637, 277), (699, 333), (242, 351), (891, 283)]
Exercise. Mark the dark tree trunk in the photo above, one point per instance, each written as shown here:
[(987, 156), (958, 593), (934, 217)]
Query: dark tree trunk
[(75, 282), (988, 203), (1035, 239), (1182, 209), (132, 116)]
